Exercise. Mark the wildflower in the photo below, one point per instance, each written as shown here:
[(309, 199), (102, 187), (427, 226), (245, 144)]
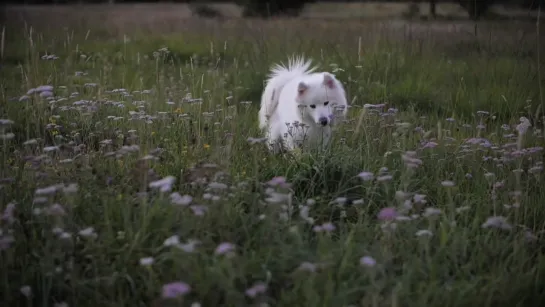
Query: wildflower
[(277, 181), (5, 241), (198, 210), (217, 186), (419, 199), (387, 214), (7, 136), (146, 261), (164, 184), (175, 289), (6, 122), (402, 196), (430, 145), (8, 215), (171, 241), (424, 232), (46, 94), (368, 261), (224, 248), (55, 210), (529, 236), (462, 209), (431, 212), (358, 202), (276, 197), (325, 227), (88, 233), (366, 176), (410, 159), (304, 214), (31, 142), (523, 126), (51, 148), (65, 236), (256, 289), (448, 183), (179, 200), (188, 247), (307, 266), (26, 290), (340, 200), (497, 222)]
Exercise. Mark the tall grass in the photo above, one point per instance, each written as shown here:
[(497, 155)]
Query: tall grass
[(133, 170)]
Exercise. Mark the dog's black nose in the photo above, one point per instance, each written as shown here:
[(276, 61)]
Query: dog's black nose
[(323, 121)]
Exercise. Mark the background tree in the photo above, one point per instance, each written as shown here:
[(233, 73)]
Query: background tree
[(267, 8), (476, 8)]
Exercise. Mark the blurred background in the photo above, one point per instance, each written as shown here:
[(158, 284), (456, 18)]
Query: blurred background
[(423, 9)]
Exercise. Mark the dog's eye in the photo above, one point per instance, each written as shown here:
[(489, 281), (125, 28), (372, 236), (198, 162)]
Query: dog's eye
[(313, 106), (326, 103)]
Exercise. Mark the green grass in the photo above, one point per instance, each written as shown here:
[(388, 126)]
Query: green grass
[(428, 78)]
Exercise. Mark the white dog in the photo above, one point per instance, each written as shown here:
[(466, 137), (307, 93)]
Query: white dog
[(299, 105)]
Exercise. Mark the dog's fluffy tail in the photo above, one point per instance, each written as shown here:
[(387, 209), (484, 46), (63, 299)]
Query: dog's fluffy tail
[(280, 75)]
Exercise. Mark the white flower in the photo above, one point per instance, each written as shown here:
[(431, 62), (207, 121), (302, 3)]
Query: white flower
[(177, 199), (366, 176), (497, 222), (419, 198), (431, 212), (88, 232), (190, 246), (146, 261), (448, 183), (26, 290), (424, 232), (174, 240)]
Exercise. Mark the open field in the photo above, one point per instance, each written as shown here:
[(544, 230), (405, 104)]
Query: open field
[(431, 194)]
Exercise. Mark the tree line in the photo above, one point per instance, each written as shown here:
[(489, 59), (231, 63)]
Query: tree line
[(268, 8)]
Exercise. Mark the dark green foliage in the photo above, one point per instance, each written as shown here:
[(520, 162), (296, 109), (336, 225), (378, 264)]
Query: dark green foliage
[(258, 8), (476, 8), (206, 11)]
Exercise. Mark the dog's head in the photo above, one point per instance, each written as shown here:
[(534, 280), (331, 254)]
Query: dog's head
[(318, 96)]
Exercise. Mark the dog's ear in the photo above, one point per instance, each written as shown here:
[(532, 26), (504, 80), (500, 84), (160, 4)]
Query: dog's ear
[(302, 88), (329, 80)]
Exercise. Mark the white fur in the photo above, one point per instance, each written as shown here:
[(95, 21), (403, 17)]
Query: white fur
[(286, 113)]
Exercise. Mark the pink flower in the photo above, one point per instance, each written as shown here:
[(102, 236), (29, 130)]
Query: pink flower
[(368, 261), (387, 214), (224, 248), (325, 227), (430, 145), (8, 215), (175, 289), (256, 289)]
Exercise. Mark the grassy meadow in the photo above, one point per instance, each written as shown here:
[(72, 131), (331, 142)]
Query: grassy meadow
[(133, 172)]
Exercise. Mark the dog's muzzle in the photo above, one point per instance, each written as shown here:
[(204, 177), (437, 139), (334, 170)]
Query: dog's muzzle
[(323, 121)]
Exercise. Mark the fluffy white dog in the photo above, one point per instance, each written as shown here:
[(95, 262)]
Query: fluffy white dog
[(300, 106)]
